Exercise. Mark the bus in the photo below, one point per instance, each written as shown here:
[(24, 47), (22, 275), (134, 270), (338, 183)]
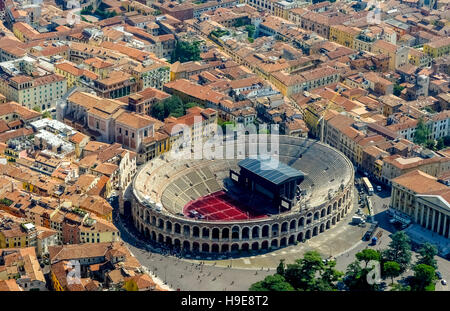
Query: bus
[(367, 185)]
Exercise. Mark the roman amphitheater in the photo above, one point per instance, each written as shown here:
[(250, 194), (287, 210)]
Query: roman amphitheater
[(194, 205)]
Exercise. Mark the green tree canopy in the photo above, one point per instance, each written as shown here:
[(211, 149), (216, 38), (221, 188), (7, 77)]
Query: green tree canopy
[(367, 255), (426, 255), (272, 283), (311, 273), (421, 133), (398, 89), (172, 106), (356, 278), (281, 267), (250, 30), (391, 269), (399, 250), (424, 275), (186, 51)]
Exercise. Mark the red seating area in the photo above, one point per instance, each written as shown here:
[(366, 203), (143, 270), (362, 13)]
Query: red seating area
[(219, 206)]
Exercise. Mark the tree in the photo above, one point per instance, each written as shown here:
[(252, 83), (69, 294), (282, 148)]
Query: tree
[(424, 275), (398, 89), (399, 250), (391, 269), (329, 277), (281, 267), (274, 282), (250, 30), (312, 274), (367, 255), (37, 108), (440, 143), (426, 255), (46, 114), (397, 287), (422, 132), (356, 278), (186, 51)]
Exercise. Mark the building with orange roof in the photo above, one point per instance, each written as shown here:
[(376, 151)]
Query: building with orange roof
[(132, 129), (396, 165), (424, 200), (74, 75), (41, 90), (398, 55)]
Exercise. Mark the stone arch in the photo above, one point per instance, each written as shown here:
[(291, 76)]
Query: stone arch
[(160, 238), (147, 233), (265, 231), (327, 225), (308, 234), (340, 202), (342, 214), (338, 217), (283, 242), (153, 235), (160, 223), (186, 246), (235, 247), (300, 237), (255, 232), (225, 248), (315, 231), (334, 206), (196, 247), (214, 248), (235, 233), (316, 215), (205, 248), (255, 246), (323, 213), (274, 243), (215, 233), (168, 226), (186, 230), (275, 229), (169, 240), (177, 243), (265, 245), (195, 232), (225, 234), (245, 247), (292, 225), (205, 233), (245, 233), (177, 228), (301, 222), (291, 240), (333, 220), (322, 228), (329, 210), (284, 227), (153, 220)]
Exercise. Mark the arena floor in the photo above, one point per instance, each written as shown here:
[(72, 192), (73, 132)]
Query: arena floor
[(220, 206)]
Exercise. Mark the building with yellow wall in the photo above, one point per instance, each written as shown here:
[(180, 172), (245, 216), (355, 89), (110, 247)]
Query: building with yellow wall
[(74, 74), (344, 35), (437, 48)]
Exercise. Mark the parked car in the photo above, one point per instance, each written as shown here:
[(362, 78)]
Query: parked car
[(444, 282), (439, 275)]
